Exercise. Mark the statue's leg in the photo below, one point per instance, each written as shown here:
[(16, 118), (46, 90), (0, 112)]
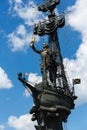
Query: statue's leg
[(43, 71), (52, 77), (44, 75)]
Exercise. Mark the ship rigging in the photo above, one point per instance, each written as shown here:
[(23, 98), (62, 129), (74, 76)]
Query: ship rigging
[(54, 100)]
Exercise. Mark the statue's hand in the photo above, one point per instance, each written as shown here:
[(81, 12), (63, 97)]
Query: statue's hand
[(33, 39), (32, 42)]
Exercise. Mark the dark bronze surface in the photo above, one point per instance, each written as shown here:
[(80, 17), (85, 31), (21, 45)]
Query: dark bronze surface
[(53, 98)]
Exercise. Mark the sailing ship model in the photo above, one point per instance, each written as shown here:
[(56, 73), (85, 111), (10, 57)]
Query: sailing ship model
[(53, 97)]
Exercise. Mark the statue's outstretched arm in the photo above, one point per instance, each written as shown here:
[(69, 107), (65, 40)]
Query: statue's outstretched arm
[(33, 47)]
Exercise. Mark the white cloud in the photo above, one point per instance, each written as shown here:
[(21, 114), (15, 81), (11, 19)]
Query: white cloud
[(28, 12), (19, 39), (16, 1), (5, 82), (21, 123), (2, 127), (34, 78), (78, 67), (78, 17)]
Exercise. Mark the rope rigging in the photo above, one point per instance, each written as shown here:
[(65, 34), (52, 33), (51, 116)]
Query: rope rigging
[(52, 105)]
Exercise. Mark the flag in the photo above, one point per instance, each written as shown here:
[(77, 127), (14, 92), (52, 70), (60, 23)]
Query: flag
[(76, 81)]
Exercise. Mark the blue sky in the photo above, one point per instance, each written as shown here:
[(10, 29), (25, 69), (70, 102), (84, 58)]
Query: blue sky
[(16, 31)]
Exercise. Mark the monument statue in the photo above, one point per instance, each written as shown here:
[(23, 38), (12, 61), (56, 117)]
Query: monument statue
[(54, 100), (48, 62)]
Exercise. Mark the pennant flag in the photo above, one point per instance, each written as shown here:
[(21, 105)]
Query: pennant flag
[(76, 81)]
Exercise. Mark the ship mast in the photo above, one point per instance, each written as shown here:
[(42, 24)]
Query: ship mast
[(54, 100), (49, 27)]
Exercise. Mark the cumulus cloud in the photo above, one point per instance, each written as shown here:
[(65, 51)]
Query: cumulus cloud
[(21, 123), (21, 37), (2, 127), (78, 67), (16, 1), (5, 82), (27, 12), (33, 78)]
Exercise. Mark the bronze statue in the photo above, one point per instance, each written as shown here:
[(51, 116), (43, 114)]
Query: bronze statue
[(52, 103), (47, 62)]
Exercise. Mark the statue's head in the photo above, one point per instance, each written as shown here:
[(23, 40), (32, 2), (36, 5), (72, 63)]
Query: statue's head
[(45, 45)]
